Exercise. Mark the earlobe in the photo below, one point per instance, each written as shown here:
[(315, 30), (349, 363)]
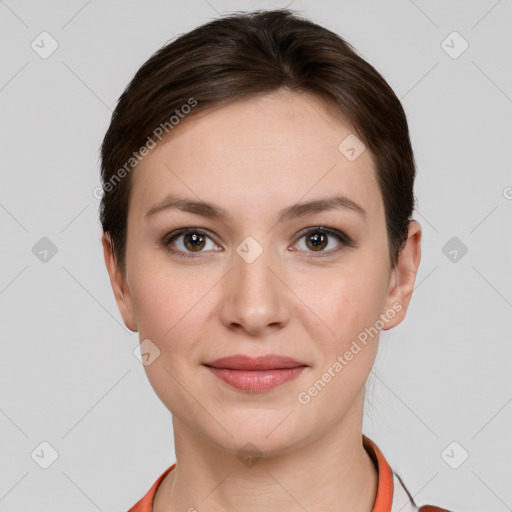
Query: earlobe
[(117, 281), (404, 276)]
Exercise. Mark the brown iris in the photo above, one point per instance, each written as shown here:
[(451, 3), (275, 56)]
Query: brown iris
[(194, 241), (318, 241)]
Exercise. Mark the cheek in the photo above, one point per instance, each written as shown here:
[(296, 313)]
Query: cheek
[(156, 291), (170, 308), (346, 338), (163, 308), (171, 304), (346, 299), (348, 303)]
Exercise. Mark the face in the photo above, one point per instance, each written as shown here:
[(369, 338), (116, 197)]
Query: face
[(313, 284)]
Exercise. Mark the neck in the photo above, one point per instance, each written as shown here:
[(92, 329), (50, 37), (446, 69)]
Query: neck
[(330, 473)]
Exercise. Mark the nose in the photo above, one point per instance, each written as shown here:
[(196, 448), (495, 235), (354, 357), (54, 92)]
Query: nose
[(255, 298)]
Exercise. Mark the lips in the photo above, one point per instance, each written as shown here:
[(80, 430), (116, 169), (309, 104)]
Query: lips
[(255, 374), (267, 362)]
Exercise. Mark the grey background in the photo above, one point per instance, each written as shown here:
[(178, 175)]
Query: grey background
[(68, 374)]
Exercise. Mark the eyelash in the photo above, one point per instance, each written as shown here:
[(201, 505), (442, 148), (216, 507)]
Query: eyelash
[(344, 240)]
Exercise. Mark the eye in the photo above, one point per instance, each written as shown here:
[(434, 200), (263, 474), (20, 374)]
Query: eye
[(317, 240), (188, 241)]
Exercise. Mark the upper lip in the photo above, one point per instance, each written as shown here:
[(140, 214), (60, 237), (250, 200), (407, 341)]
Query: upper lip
[(242, 362)]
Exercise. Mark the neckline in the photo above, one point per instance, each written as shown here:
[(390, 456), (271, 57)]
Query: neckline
[(383, 499)]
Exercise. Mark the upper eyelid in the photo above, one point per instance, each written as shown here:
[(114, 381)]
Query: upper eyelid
[(185, 231), (342, 237)]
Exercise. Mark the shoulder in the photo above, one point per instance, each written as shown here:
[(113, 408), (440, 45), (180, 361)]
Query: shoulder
[(145, 504)]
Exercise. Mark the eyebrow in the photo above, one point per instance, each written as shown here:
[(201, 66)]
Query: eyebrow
[(210, 210)]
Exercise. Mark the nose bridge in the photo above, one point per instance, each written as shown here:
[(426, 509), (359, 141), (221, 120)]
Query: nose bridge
[(252, 264), (254, 296)]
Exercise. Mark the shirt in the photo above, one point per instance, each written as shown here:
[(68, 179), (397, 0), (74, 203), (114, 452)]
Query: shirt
[(392, 496)]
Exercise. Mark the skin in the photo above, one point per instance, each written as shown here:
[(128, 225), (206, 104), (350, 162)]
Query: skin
[(253, 158)]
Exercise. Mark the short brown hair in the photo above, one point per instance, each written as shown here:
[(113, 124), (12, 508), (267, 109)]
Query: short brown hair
[(248, 54)]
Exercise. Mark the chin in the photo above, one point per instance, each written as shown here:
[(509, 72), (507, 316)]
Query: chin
[(266, 433)]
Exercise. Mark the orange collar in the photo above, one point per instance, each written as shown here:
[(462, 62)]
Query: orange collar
[(146, 503), (383, 500)]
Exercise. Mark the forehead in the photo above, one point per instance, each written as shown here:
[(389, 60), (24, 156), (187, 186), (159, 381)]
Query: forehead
[(281, 147)]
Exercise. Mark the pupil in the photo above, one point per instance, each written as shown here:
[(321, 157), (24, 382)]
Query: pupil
[(317, 239), (197, 241)]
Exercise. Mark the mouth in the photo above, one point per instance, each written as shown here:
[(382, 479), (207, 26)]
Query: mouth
[(267, 362), (256, 374)]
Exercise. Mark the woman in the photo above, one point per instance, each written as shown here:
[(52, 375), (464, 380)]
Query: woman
[(258, 190)]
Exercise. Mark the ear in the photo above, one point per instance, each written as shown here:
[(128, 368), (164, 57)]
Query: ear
[(119, 287), (401, 283)]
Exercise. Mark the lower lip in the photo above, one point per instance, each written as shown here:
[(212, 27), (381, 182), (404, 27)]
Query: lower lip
[(256, 380)]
